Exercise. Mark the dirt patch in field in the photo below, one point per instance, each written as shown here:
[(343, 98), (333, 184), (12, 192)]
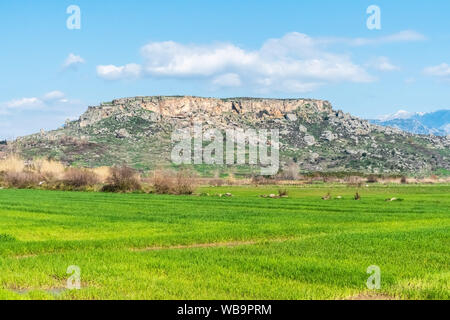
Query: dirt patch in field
[(365, 296), (26, 256), (34, 255), (198, 245), (211, 245), (54, 291)]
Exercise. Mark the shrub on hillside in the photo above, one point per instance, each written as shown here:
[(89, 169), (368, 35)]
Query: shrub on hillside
[(291, 172), (163, 181), (123, 179), (80, 177), (12, 163), (21, 180), (263, 180), (170, 182), (185, 182), (49, 170), (216, 182), (354, 181), (104, 173)]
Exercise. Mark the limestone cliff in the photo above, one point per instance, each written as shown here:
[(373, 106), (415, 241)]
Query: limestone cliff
[(203, 108)]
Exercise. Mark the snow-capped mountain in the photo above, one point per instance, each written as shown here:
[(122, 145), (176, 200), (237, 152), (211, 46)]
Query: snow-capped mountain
[(437, 123)]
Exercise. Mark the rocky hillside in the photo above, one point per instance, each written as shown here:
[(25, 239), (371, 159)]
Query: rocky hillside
[(137, 131)]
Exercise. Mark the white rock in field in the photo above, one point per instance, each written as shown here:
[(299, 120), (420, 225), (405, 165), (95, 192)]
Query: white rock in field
[(310, 140), (291, 117), (302, 128)]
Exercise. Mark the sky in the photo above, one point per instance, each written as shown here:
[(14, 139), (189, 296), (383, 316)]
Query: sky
[(52, 68)]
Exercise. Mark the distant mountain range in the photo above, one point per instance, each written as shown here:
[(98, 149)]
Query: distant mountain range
[(437, 123)]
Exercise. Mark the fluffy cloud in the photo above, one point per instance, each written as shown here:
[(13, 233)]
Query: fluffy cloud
[(53, 96), (33, 103), (403, 36), (228, 80), (19, 117), (112, 72), (441, 71), (399, 37), (383, 64), (295, 62), (72, 61), (24, 103), (173, 59)]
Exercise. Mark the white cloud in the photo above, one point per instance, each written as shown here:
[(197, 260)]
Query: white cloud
[(50, 99), (173, 59), (228, 80), (383, 64), (298, 86), (442, 71), (295, 59), (24, 103), (53, 96), (112, 72), (403, 36), (73, 61), (399, 37)]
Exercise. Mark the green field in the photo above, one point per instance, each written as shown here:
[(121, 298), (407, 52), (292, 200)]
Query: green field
[(141, 246)]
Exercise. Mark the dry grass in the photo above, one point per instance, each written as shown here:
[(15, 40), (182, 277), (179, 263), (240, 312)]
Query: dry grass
[(185, 182), (80, 177), (50, 174), (123, 179), (231, 180), (354, 181), (163, 181), (12, 163), (21, 180), (50, 170), (283, 192), (171, 182), (103, 173), (216, 182), (291, 172), (261, 180)]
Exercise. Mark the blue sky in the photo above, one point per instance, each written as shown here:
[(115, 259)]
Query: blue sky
[(317, 49)]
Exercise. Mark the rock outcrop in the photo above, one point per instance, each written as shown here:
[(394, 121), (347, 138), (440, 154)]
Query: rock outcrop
[(203, 108), (138, 131)]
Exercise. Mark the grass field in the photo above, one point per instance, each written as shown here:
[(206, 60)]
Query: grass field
[(138, 246)]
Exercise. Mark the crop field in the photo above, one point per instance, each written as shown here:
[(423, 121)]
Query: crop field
[(145, 246)]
